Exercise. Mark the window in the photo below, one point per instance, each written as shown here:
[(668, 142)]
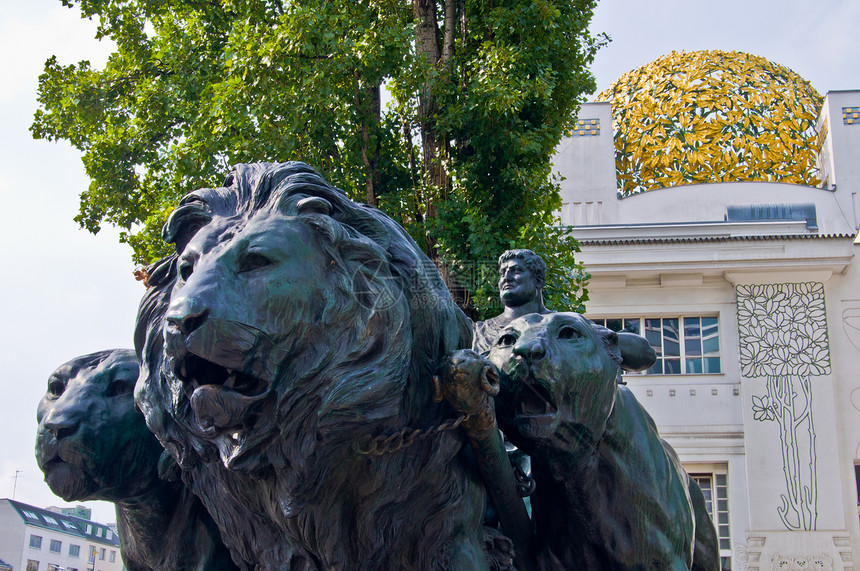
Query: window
[(32, 565), (54, 567), (685, 345), (70, 526), (49, 519), (56, 546), (715, 489), (71, 569), (857, 483), (92, 554), (29, 515), (112, 556), (36, 541), (74, 550), (102, 554)]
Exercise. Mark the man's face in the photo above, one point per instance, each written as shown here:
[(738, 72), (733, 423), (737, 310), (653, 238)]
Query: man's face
[(517, 284)]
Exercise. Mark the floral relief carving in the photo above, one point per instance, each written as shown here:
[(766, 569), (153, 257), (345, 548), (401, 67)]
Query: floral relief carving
[(783, 330), (802, 563), (789, 402)]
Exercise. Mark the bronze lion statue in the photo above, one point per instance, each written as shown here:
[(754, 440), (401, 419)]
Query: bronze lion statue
[(287, 350), (610, 493), (92, 444)]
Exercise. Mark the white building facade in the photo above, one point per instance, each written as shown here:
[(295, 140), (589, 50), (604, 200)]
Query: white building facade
[(34, 539), (750, 294)]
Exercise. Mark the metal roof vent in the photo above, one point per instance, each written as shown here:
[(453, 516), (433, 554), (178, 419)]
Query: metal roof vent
[(773, 212)]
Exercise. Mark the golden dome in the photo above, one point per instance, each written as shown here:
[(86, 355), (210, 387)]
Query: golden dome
[(713, 116)]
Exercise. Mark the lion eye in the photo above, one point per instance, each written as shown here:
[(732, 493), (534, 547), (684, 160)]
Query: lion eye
[(253, 261), (185, 270), (506, 340), (118, 387), (56, 388), (568, 333)]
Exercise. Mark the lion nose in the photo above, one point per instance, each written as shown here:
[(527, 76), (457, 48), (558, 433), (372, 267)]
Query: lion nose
[(186, 314), (61, 424), (532, 349)]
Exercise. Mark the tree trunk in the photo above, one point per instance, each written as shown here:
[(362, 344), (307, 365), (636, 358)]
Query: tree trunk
[(427, 46), (436, 148), (369, 101)]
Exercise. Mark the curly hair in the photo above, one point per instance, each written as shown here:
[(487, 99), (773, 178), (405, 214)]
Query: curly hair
[(532, 261), (377, 386)]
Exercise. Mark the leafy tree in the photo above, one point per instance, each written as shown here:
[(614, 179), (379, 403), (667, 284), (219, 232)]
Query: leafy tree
[(481, 92)]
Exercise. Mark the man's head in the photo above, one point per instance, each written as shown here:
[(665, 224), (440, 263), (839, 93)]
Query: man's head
[(522, 275)]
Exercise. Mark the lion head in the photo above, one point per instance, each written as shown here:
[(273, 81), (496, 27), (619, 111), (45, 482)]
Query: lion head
[(292, 327), (556, 368), (291, 308), (91, 442)]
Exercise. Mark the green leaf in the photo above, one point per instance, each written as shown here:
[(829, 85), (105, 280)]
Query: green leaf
[(194, 87)]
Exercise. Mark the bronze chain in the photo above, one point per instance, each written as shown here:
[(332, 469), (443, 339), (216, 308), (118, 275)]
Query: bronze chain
[(382, 445)]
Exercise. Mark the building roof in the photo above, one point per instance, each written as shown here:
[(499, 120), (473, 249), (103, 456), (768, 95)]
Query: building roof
[(71, 525), (696, 232), (5, 566)]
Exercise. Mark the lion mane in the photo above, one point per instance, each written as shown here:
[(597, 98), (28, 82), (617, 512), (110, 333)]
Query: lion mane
[(271, 376)]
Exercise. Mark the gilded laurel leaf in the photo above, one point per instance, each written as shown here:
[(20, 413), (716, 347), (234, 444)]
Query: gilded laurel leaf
[(713, 115)]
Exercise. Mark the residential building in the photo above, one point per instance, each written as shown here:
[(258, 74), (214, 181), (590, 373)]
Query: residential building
[(35, 539), (78, 511)]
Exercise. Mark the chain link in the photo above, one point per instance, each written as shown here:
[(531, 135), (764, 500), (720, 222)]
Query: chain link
[(382, 445), (525, 483)]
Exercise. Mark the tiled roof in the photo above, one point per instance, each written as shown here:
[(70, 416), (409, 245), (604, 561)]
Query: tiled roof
[(71, 525), (699, 239)]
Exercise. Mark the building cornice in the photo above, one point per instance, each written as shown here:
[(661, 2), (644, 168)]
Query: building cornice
[(659, 255), (698, 232)]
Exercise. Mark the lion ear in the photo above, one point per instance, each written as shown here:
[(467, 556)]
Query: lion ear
[(610, 341), (192, 214), (314, 205), (368, 224)]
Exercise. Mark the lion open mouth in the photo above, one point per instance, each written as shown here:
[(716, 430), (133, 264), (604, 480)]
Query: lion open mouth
[(535, 400), (221, 398), (536, 412), (196, 371)]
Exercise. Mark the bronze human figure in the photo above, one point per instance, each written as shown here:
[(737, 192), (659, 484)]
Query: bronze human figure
[(522, 276)]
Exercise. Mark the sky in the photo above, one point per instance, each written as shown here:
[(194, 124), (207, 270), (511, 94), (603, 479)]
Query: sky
[(65, 292)]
